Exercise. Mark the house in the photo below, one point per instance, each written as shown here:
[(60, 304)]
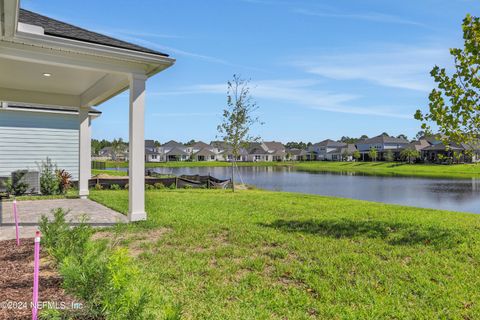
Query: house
[(325, 150), (108, 153), (30, 134), (296, 155), (52, 75), (224, 152), (382, 144), (344, 153), (451, 153), (153, 153)]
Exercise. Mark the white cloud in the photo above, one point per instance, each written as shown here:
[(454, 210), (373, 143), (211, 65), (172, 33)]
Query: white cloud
[(372, 16), (397, 67), (300, 92)]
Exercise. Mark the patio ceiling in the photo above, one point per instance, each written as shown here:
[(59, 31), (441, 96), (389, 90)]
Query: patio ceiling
[(42, 69)]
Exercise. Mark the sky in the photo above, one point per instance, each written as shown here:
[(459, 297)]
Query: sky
[(318, 69)]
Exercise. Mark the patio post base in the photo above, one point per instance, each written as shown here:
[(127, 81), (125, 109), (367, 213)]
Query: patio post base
[(137, 216)]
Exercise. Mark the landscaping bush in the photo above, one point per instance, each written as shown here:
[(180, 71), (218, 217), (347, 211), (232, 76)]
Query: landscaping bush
[(98, 186), (172, 186), (126, 186), (149, 187), (102, 276), (61, 241), (159, 186), (16, 185), (64, 180), (115, 187), (48, 178)]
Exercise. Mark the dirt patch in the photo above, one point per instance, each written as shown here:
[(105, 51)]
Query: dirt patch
[(16, 281)]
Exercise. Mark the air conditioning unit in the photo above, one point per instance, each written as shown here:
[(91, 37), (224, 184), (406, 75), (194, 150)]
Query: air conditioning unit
[(31, 178)]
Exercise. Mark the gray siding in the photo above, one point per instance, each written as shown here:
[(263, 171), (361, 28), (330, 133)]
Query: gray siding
[(27, 138)]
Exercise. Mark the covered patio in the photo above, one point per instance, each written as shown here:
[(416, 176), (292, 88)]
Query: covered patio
[(47, 63), (30, 212)]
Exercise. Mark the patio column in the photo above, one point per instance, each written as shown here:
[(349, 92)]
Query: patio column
[(136, 153), (84, 153)]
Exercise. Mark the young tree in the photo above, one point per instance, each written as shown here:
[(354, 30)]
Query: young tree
[(373, 154), (409, 154), (345, 154), (238, 118), (356, 155), (389, 156), (118, 149), (454, 106)]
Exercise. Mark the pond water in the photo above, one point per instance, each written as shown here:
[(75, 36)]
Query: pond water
[(447, 194)]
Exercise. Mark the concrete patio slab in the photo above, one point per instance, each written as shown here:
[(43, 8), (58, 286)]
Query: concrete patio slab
[(30, 212)]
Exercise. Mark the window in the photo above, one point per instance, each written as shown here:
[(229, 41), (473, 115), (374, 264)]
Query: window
[(258, 157), (212, 157)]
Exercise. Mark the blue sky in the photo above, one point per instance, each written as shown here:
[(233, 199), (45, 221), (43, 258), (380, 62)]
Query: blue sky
[(320, 69)]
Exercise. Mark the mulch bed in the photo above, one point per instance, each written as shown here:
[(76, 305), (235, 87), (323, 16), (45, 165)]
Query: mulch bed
[(16, 281)]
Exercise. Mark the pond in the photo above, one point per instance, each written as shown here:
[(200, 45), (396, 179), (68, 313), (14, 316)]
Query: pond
[(446, 194)]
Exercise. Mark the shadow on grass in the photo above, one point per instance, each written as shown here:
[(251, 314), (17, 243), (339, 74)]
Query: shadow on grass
[(391, 233)]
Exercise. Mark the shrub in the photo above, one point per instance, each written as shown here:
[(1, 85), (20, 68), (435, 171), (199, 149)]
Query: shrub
[(64, 180), (159, 186), (149, 187), (98, 186), (103, 277), (172, 186), (48, 179), (61, 241), (187, 186), (16, 185), (126, 186), (115, 187)]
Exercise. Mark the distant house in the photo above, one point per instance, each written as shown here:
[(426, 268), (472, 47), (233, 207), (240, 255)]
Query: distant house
[(296, 154), (266, 151), (326, 150), (153, 153), (382, 144), (344, 153), (452, 152), (175, 151), (109, 154)]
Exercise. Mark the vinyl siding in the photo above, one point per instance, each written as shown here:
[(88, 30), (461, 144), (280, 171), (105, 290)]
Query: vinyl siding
[(28, 138)]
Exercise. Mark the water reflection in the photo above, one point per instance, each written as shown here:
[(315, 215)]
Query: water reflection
[(448, 194)]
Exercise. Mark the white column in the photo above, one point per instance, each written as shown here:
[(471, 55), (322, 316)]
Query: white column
[(136, 165), (84, 153)]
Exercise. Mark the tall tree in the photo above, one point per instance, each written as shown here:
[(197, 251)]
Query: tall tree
[(454, 105), (402, 136), (238, 118)]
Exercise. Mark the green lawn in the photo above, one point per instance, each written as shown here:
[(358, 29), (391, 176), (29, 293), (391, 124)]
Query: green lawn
[(272, 255), (460, 171)]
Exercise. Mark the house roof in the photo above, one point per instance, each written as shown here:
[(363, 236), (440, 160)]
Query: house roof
[(330, 143), (383, 139), (173, 144), (273, 145), (297, 152), (177, 152), (149, 143), (61, 29), (205, 152), (201, 145), (419, 145), (443, 147)]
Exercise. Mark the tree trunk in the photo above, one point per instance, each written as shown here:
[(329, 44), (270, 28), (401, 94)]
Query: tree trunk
[(233, 175)]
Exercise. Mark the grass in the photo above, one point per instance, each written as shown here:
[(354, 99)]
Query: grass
[(272, 255), (456, 171), (109, 172)]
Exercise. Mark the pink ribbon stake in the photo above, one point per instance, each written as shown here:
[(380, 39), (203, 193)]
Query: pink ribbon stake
[(36, 270), (15, 214)]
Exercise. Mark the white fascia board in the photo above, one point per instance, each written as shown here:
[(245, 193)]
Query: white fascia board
[(77, 46), (30, 28)]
